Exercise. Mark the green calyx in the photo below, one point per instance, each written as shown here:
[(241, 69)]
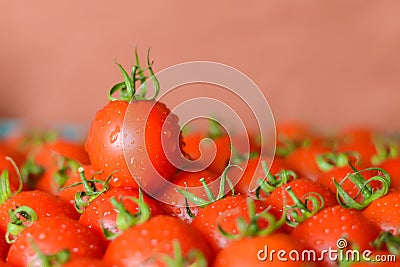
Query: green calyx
[(30, 169), (270, 182), (385, 149), (127, 88), (83, 198), (328, 161), (65, 168), (53, 260), (390, 241), (20, 218), (125, 219), (251, 228), (210, 195), (194, 258), (303, 208), (368, 193), (5, 187)]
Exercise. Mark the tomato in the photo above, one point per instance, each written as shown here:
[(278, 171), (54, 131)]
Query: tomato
[(105, 142), (51, 235), (189, 179), (385, 212), (222, 145), (84, 261), (323, 230), (225, 212), (254, 169), (139, 245), (392, 166), (256, 251), (102, 211), (303, 189), (303, 161), (44, 204)]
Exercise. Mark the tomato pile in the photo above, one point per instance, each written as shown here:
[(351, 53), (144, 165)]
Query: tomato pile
[(72, 204)]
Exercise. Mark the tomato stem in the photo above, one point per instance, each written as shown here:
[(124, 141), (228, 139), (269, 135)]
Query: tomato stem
[(364, 188), (125, 219), (20, 218)]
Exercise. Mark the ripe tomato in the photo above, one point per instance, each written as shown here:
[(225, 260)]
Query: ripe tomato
[(392, 166), (303, 161), (324, 229), (189, 179), (51, 235), (303, 189), (105, 143), (225, 212), (139, 245), (256, 251), (385, 212), (44, 204), (223, 150), (254, 169), (102, 211)]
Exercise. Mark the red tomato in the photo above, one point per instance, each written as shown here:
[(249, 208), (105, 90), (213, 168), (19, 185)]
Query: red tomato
[(323, 230), (101, 211), (256, 251), (225, 212), (106, 148), (303, 161), (51, 235), (44, 204), (385, 212), (139, 245), (302, 188), (189, 179)]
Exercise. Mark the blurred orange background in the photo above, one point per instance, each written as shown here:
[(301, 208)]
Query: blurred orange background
[(327, 63)]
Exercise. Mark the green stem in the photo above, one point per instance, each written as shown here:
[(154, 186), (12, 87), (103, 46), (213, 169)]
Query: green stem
[(299, 211), (125, 219), (20, 218), (364, 189), (251, 228), (83, 198)]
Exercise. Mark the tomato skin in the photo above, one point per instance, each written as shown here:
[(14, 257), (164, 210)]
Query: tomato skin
[(189, 179), (84, 261), (136, 245), (324, 229), (256, 170), (222, 145), (49, 154), (102, 210), (303, 162), (106, 148), (3, 248), (392, 166), (300, 188), (385, 212), (244, 252), (44, 204), (51, 235), (230, 208)]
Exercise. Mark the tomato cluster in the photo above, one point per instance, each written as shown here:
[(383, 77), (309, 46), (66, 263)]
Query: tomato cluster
[(70, 204)]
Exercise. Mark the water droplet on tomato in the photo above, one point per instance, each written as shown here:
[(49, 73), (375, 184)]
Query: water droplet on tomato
[(116, 182)]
